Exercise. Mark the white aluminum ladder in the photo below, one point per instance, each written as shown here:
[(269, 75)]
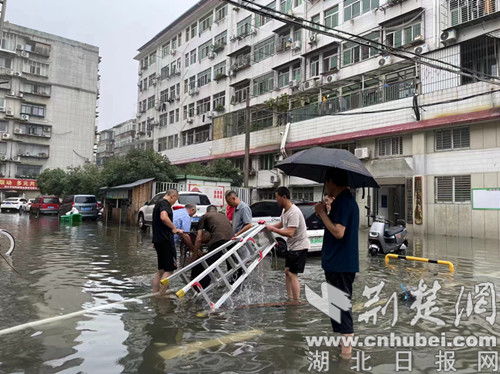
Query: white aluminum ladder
[(242, 252)]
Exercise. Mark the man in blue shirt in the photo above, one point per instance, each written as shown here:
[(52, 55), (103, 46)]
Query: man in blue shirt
[(340, 252), (182, 220)]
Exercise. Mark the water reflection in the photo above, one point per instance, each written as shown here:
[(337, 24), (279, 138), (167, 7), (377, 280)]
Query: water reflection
[(67, 268)]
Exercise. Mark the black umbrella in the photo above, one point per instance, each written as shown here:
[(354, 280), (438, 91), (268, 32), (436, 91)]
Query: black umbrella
[(314, 163)]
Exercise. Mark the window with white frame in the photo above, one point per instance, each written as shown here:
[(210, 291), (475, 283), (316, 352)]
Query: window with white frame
[(171, 116), (286, 5), (390, 146), (173, 43), (296, 72), (219, 101), (165, 50), (164, 73), (4, 125), (5, 62), (220, 70), (177, 115), (191, 110), (448, 139), (2, 104), (263, 49), (220, 40), (33, 109), (331, 16), (37, 89), (267, 161), (179, 39), (172, 92), (331, 59), (173, 68), (203, 106), (195, 136), (192, 82), (172, 141), (261, 20), (263, 84), (152, 58), (36, 68), (192, 56), (194, 27), (204, 77), (220, 12), (452, 189), (204, 50), (162, 144), (206, 23), (314, 66), (404, 34), (354, 8), (151, 102), (152, 79), (186, 59), (243, 27), (164, 96), (283, 77), (297, 35), (354, 52), (302, 193), (163, 120)]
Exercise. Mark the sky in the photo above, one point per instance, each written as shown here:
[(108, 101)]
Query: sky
[(117, 27)]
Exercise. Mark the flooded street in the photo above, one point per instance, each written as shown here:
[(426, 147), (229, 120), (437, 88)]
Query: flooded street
[(65, 269)]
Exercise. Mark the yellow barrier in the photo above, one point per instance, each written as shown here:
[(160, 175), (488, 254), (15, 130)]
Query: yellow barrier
[(421, 259)]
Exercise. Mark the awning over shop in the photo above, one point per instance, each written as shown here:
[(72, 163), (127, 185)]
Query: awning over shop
[(121, 191), (391, 167)]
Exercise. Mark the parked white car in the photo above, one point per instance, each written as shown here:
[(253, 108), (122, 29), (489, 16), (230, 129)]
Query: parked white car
[(145, 215), (13, 203), (270, 212)]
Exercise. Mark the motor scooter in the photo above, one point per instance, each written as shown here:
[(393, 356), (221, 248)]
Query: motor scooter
[(385, 237)]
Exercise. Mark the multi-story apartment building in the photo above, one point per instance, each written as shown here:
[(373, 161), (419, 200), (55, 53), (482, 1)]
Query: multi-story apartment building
[(48, 93), (429, 135), (116, 141)]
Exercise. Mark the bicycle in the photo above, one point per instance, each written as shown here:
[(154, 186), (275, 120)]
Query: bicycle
[(7, 246)]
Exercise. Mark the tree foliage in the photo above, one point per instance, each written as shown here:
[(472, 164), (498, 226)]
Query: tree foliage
[(221, 168)]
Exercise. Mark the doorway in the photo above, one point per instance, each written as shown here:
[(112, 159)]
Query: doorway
[(389, 200)]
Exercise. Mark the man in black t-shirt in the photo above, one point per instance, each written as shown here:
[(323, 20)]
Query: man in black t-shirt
[(163, 237)]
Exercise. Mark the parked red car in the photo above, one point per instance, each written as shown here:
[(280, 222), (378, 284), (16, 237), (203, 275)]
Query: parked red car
[(45, 205)]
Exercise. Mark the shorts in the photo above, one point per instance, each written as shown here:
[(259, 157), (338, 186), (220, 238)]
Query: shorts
[(165, 252), (295, 261), (343, 281)]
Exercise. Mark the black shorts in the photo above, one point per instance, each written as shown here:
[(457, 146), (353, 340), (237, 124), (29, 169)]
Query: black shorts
[(166, 255), (342, 281), (295, 261)]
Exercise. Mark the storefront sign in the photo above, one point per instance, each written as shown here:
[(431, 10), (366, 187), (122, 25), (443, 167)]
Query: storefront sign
[(18, 184)]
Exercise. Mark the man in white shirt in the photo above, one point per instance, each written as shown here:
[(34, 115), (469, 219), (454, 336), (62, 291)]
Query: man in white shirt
[(293, 227)]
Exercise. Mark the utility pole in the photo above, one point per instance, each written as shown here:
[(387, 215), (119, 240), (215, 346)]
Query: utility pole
[(246, 161)]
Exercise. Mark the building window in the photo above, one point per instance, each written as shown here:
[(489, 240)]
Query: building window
[(165, 50), (204, 50), (192, 82), (206, 23), (173, 43), (191, 110), (353, 52), (152, 79), (219, 101), (196, 136), (243, 27), (302, 193), (203, 106), (468, 10), (263, 84), (285, 6), (261, 20), (353, 8), (452, 189), (192, 56), (390, 146), (296, 73), (164, 72), (204, 77), (36, 68), (151, 102), (162, 144), (163, 120), (347, 146), (314, 66), (404, 35), (267, 161), (220, 12), (480, 55), (194, 27), (283, 77), (220, 41), (456, 138), (261, 119), (220, 70), (28, 171), (331, 60), (263, 49), (164, 96), (3, 127), (152, 58), (332, 16), (5, 62), (33, 110), (37, 89), (171, 116), (240, 94), (172, 141)]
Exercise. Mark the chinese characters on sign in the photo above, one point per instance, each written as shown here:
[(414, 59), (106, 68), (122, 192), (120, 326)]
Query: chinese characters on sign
[(18, 184)]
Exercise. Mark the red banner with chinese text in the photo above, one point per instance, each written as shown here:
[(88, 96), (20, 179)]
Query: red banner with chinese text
[(18, 184)]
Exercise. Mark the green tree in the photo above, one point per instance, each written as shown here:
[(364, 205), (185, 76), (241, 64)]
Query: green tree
[(220, 168), (52, 182)]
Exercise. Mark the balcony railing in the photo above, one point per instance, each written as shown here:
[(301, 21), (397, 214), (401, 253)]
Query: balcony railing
[(462, 11), (355, 100)]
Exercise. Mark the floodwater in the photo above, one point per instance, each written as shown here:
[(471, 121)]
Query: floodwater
[(64, 269)]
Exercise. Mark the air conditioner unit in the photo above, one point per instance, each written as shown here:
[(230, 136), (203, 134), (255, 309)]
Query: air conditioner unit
[(18, 131), (21, 95), (25, 54), (449, 36), (25, 117), (190, 120), (313, 38), (18, 74), (140, 73), (296, 45), (9, 112), (6, 136), (311, 83), (362, 153), (327, 79), (386, 60), (293, 83), (173, 52), (233, 38), (211, 55), (421, 49)]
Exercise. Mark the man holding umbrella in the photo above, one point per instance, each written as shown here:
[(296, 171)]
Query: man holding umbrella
[(340, 253), (338, 169)]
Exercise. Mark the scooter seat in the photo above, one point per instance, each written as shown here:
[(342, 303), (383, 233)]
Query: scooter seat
[(393, 230)]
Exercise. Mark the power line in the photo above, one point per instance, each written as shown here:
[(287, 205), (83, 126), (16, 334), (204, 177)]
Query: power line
[(386, 49)]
